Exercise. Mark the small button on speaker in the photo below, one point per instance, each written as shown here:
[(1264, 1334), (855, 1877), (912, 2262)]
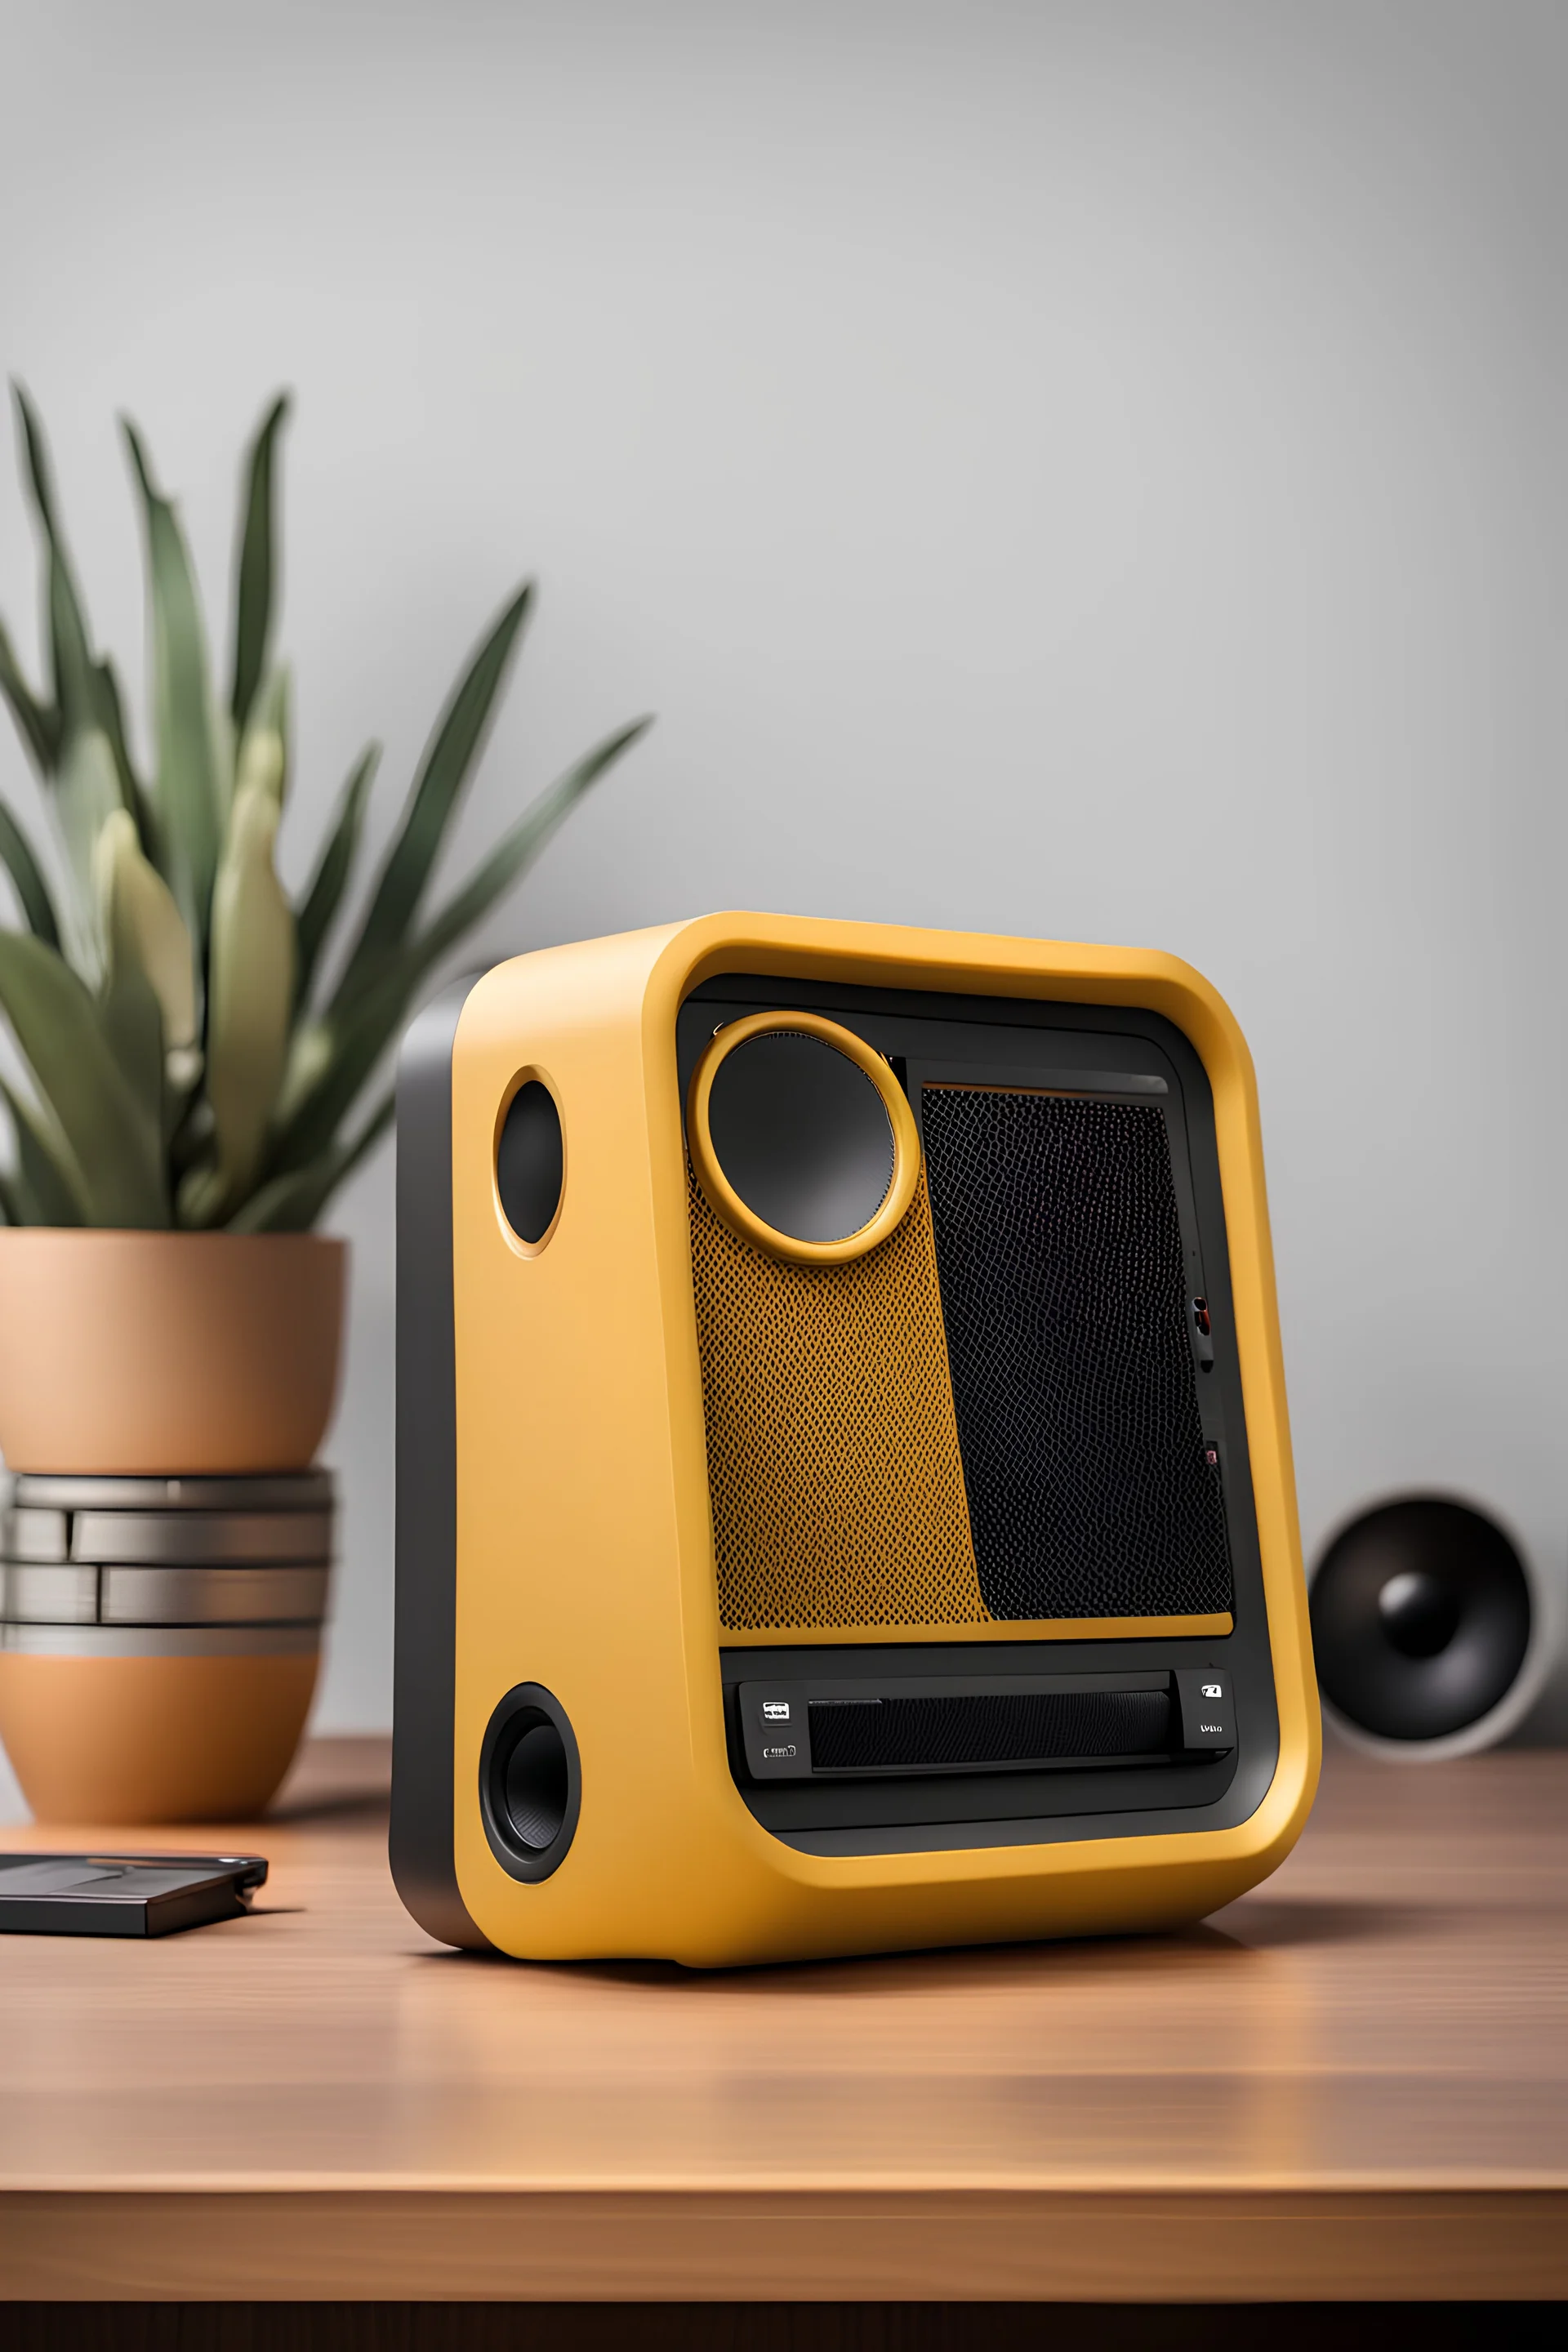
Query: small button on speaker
[(530, 1162), (1422, 1625), (802, 1137), (530, 1783)]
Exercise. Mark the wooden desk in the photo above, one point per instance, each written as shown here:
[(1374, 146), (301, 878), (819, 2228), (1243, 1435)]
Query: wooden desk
[(1351, 2084)]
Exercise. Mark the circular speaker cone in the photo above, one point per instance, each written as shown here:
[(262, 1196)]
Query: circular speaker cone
[(802, 1136), (529, 1783), (1421, 1619), (530, 1162), (534, 1787)]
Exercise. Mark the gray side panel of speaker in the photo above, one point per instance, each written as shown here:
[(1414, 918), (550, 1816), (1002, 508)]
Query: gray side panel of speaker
[(425, 1656)]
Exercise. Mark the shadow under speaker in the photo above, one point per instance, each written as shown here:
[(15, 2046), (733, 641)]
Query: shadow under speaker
[(1427, 1630), (839, 1384)]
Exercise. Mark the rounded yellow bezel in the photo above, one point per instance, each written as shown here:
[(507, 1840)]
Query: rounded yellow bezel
[(727, 1203), (528, 1076)]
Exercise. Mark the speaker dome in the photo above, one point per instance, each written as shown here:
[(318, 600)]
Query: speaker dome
[(1422, 1621), (802, 1136)]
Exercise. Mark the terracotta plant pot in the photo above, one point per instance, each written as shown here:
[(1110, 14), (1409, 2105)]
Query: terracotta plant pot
[(153, 1353), (115, 1742), (160, 1355)]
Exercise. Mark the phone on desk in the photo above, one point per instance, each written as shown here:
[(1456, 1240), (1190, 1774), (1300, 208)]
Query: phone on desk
[(123, 1893)]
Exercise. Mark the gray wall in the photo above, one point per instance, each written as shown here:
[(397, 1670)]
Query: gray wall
[(1090, 471)]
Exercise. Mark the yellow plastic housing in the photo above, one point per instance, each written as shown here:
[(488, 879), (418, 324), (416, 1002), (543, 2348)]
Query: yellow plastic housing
[(584, 1557)]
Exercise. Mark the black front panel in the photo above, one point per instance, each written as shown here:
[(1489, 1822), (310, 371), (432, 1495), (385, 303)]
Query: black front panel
[(1092, 1490), (1158, 1752), (879, 1724), (1125, 1488)]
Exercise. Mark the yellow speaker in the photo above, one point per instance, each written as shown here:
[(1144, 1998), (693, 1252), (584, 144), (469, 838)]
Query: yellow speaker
[(844, 1490)]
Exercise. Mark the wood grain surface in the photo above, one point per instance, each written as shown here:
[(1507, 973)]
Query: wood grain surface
[(1354, 2084)]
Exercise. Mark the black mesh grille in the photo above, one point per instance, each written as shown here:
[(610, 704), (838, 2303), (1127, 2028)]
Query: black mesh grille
[(1026, 1727), (1062, 1274)]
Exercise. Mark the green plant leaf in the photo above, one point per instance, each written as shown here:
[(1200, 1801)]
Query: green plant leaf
[(253, 591), (262, 757), (18, 1206), (37, 723), (334, 1058), (70, 647), (27, 876), (192, 782), (110, 1137), (193, 1157), (143, 930), (72, 655), (251, 991), (193, 1140), (202, 1196), (443, 771), (323, 895), (86, 693), (110, 706), (87, 794), (519, 846), (292, 1203), (51, 1183), (108, 712), (133, 1026), (35, 458)]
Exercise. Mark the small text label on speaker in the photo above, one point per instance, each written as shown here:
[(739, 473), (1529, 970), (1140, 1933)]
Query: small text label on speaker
[(1206, 1700), (775, 1731)]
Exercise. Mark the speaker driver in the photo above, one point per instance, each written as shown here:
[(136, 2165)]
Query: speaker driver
[(1424, 1624), (530, 1783), (802, 1137)]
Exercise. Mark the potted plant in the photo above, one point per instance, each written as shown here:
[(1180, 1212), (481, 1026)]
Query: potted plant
[(200, 1045)]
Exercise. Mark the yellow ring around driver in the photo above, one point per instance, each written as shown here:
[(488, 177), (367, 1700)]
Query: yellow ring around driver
[(723, 1197)]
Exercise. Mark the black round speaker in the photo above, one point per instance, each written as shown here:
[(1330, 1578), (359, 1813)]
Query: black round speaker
[(1421, 1619), (530, 1162), (534, 1785), (802, 1135), (530, 1783)]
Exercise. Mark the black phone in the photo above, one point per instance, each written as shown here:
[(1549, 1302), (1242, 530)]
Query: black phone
[(123, 1893)]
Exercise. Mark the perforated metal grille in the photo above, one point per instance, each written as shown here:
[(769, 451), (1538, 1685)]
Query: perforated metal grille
[(1063, 1286), (833, 1458), (1010, 1727)]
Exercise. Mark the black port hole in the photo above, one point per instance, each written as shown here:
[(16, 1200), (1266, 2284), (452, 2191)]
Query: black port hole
[(531, 1162), (530, 1783)]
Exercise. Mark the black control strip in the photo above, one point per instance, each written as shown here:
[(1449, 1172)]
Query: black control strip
[(906, 1726)]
